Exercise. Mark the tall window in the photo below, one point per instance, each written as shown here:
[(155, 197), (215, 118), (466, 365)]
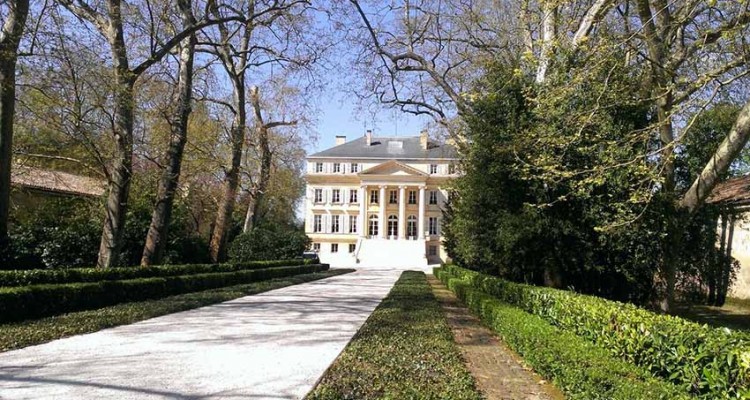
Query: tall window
[(319, 167), (316, 247), (412, 197), (433, 196), (318, 195), (433, 226), (352, 247), (354, 167), (372, 225), (352, 224), (433, 169), (317, 223), (336, 168), (392, 225), (336, 196), (411, 226), (334, 247), (353, 195), (373, 197), (335, 223), (393, 197)]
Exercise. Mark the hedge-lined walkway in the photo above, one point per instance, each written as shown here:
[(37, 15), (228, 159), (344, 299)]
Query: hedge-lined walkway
[(498, 371), (271, 345)]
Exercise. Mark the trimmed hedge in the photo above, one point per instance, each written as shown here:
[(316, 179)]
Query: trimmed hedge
[(405, 350), (707, 362), (49, 276), (580, 368), (28, 302)]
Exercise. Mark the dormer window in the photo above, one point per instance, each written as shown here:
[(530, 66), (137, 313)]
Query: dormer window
[(318, 167)]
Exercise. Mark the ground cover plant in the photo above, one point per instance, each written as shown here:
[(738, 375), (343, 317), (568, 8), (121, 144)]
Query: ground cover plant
[(35, 301), (580, 368), (704, 361), (27, 333), (405, 350)]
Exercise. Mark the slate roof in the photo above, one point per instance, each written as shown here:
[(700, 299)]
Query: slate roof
[(56, 181), (381, 147), (732, 192)]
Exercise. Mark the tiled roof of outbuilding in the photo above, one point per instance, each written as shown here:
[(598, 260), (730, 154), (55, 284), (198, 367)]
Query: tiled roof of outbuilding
[(386, 148), (56, 181)]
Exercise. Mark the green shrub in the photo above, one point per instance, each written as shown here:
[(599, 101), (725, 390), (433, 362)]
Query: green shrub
[(45, 276), (581, 369), (35, 301), (709, 362), (268, 243)]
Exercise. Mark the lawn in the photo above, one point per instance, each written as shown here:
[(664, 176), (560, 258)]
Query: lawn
[(27, 333), (405, 350)]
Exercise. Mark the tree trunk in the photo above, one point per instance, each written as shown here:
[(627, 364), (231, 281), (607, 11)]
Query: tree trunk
[(156, 238), (248, 225), (726, 270), (549, 34), (11, 37), (121, 169), (265, 157), (232, 178)]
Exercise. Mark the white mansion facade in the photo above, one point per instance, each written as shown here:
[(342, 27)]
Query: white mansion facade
[(378, 200)]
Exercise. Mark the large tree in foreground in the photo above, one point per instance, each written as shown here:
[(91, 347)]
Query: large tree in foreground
[(14, 14), (109, 19)]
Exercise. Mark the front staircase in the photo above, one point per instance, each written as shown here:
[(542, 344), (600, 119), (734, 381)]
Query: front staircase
[(391, 253)]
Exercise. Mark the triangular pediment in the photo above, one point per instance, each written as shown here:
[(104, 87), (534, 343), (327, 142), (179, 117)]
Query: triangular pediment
[(393, 168)]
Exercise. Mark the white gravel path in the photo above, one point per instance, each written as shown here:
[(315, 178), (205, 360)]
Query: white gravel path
[(274, 345)]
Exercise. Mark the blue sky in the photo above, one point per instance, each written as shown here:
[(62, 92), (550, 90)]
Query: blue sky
[(341, 117)]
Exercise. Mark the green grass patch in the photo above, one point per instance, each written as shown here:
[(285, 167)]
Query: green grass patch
[(405, 350), (18, 335), (580, 368)]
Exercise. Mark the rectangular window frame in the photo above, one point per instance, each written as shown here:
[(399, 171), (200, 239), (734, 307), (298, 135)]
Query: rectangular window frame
[(334, 247), (335, 223), (412, 197), (433, 197), (354, 168), (432, 226), (352, 247), (353, 223), (318, 167), (317, 223), (316, 247), (433, 169), (353, 196), (393, 197), (374, 194), (336, 168), (336, 196), (318, 196)]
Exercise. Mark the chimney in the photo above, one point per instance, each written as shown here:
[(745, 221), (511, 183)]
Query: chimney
[(340, 139), (368, 137), (423, 139)]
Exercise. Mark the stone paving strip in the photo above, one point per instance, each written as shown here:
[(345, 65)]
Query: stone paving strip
[(273, 345), (498, 371)]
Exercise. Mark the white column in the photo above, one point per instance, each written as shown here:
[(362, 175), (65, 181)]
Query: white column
[(362, 198), (421, 212), (381, 216), (401, 212)]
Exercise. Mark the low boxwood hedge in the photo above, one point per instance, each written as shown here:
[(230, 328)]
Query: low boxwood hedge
[(707, 362), (35, 301), (580, 368), (44, 276)]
